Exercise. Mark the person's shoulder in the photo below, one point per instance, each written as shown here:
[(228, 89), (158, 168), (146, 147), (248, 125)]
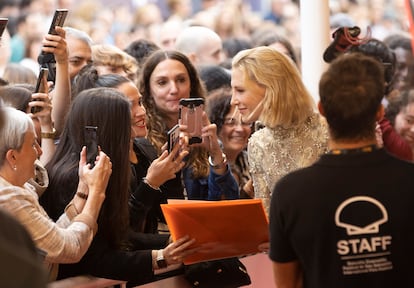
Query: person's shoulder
[(261, 134)]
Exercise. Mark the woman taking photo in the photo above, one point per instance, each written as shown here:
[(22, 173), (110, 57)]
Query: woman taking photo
[(67, 240), (115, 253), (167, 77), (150, 173)]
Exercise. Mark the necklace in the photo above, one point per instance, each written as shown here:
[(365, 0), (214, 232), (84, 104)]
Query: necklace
[(364, 149)]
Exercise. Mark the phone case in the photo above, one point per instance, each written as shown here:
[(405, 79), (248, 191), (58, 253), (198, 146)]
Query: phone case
[(173, 137), (191, 111), (41, 79), (58, 19), (91, 143)]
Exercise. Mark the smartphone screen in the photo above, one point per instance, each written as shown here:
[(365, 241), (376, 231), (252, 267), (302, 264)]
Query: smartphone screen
[(41, 87), (91, 143), (191, 111), (3, 25), (173, 137)]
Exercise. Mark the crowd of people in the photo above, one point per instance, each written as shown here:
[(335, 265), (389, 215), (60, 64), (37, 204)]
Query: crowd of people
[(263, 136)]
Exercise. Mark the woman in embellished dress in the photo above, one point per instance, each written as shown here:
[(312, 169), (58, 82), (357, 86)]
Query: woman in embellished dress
[(267, 89)]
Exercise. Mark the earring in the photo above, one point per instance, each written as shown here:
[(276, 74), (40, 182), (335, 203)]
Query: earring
[(15, 168)]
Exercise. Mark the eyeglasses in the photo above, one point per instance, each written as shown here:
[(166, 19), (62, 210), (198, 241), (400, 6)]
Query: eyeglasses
[(232, 122)]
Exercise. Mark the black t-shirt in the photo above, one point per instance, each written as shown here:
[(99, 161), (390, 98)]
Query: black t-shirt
[(346, 219)]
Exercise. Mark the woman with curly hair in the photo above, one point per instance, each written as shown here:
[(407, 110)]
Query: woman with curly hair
[(167, 77)]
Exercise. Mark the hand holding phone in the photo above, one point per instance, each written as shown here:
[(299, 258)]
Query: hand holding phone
[(47, 59), (191, 112), (41, 87), (91, 143), (173, 137)]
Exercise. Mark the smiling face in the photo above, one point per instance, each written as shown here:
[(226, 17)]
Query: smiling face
[(247, 95), (234, 133), (138, 113), (169, 82), (404, 124), (26, 157)]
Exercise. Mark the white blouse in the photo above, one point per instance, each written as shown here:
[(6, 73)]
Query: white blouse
[(65, 241)]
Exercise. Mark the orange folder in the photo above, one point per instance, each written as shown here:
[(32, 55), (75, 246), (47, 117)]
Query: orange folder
[(222, 229)]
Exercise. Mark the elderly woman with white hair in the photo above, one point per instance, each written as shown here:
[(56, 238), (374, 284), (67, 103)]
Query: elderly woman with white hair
[(68, 239)]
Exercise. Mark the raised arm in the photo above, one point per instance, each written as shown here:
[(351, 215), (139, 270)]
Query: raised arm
[(61, 94)]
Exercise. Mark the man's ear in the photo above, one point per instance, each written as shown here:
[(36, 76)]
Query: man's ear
[(380, 113), (320, 108)]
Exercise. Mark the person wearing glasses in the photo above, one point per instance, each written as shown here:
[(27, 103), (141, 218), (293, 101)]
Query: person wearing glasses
[(234, 135)]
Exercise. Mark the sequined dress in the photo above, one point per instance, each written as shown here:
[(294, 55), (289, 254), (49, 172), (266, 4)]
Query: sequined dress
[(274, 152)]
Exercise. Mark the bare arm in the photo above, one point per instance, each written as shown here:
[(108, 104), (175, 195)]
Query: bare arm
[(61, 94), (288, 275), (46, 126)]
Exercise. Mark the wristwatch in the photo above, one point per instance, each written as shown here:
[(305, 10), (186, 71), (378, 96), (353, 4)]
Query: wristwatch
[(161, 262)]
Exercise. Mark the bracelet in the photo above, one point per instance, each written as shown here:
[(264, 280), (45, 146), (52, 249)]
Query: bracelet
[(82, 195), (48, 135), (220, 165), (145, 180)]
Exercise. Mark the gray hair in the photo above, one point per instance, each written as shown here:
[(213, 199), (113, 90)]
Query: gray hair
[(78, 34), (15, 125)]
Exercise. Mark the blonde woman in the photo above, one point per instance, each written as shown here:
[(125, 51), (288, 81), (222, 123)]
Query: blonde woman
[(267, 87)]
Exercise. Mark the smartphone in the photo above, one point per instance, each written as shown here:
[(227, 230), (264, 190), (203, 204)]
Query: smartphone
[(91, 143), (48, 59), (58, 19), (41, 85), (3, 25), (173, 137), (190, 114)]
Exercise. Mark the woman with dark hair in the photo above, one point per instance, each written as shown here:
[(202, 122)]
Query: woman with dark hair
[(234, 135), (114, 253), (167, 77), (150, 173)]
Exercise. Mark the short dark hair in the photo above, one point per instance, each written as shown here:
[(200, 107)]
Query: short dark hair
[(140, 49), (218, 106), (351, 91)]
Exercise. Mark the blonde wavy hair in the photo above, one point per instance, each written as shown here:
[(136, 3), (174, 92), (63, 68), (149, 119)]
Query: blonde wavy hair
[(286, 102), (110, 55)]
